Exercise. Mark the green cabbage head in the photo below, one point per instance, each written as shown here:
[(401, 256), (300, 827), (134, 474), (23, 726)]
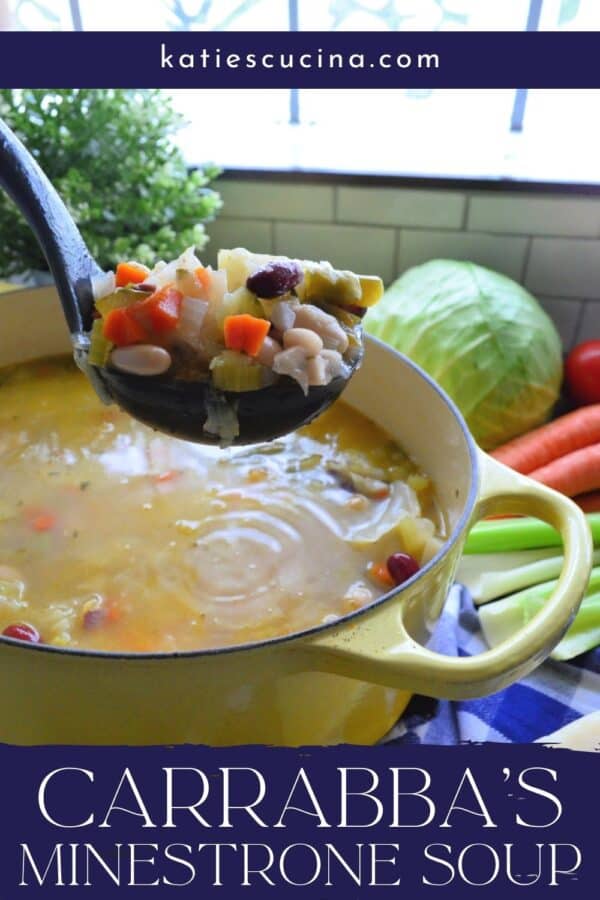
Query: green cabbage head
[(484, 339)]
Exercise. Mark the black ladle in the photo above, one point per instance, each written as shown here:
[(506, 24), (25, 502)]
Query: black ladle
[(177, 407)]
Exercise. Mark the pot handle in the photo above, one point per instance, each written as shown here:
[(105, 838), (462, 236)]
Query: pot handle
[(381, 650)]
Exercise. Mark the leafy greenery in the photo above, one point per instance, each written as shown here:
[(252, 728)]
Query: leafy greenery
[(111, 156)]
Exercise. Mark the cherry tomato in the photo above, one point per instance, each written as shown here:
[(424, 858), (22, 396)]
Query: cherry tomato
[(583, 372)]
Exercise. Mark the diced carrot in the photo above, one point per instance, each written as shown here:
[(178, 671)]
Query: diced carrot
[(113, 611), (203, 276), (122, 328), (160, 312), (380, 493), (380, 574), (169, 475), (245, 332), (130, 273), (41, 520)]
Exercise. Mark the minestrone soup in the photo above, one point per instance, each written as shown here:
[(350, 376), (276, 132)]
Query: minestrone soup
[(117, 538)]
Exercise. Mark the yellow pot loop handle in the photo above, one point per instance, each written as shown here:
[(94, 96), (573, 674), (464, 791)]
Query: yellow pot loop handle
[(378, 648)]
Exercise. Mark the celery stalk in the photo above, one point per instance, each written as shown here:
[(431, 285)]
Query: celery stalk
[(485, 584), (100, 347), (503, 618), (584, 633), (505, 535)]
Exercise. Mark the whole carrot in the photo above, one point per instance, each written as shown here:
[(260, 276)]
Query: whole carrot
[(558, 438), (575, 473)]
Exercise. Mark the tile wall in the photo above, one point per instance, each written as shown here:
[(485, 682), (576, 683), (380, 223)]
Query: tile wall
[(548, 242)]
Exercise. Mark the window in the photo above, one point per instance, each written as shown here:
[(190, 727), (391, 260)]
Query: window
[(526, 135)]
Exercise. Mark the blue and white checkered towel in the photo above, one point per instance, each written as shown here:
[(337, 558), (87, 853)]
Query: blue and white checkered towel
[(554, 695)]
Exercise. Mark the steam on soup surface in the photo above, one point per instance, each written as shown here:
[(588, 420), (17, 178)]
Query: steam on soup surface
[(114, 537)]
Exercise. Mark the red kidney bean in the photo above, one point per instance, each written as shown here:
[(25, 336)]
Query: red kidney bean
[(92, 618), (401, 567), (356, 310), (275, 279), (22, 631)]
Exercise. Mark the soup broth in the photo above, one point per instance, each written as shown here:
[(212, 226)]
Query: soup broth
[(116, 538)]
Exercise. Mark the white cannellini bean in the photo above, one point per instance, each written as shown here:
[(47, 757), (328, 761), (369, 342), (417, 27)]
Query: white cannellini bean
[(326, 326), (310, 342), (268, 351), (141, 359)]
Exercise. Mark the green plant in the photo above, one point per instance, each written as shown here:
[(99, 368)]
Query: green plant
[(111, 156)]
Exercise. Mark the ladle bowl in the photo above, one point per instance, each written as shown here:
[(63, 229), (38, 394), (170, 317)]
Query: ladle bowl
[(178, 407)]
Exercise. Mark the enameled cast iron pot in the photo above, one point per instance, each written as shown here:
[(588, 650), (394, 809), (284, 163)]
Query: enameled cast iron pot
[(346, 682)]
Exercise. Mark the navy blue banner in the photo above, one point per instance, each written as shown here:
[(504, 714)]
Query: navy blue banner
[(300, 59), (258, 822)]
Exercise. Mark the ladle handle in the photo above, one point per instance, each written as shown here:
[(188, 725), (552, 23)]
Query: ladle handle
[(69, 259)]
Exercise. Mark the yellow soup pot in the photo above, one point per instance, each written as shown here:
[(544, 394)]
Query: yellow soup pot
[(343, 682)]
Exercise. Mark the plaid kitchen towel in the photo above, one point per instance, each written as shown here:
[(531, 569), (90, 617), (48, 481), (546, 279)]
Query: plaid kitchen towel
[(552, 696)]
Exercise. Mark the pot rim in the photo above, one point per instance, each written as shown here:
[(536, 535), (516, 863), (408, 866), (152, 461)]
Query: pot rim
[(315, 629)]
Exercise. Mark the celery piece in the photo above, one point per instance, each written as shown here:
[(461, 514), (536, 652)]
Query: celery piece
[(100, 347), (124, 296), (232, 371), (344, 316), (486, 585), (584, 633), (240, 301), (185, 282), (371, 287), (505, 535), (11, 593), (324, 284)]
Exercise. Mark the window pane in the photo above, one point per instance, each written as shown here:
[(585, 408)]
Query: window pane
[(184, 15), (233, 128), (450, 132), (36, 15), (414, 15), (561, 135)]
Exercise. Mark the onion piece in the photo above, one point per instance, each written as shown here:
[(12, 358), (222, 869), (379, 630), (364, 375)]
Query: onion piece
[(293, 362), (191, 319), (334, 365), (164, 273), (282, 313), (188, 260), (221, 419), (103, 285), (218, 285), (268, 352)]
